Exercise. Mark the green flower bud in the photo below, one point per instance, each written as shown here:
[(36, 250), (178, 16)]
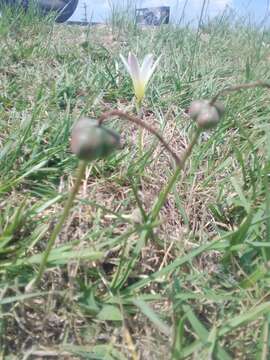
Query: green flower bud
[(196, 107), (208, 118), (90, 141)]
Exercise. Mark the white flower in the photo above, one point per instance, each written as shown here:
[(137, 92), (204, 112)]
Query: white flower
[(140, 75)]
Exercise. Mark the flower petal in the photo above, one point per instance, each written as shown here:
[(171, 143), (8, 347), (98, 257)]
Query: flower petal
[(134, 67), (124, 61), (146, 65), (150, 72)]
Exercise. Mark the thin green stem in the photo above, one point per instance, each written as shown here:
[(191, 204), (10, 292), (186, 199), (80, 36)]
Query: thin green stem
[(62, 219), (168, 187), (195, 44), (138, 105), (139, 114), (164, 193), (159, 204)]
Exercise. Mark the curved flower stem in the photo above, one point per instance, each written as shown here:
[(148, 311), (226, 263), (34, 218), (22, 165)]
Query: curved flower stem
[(139, 122), (62, 219), (239, 87)]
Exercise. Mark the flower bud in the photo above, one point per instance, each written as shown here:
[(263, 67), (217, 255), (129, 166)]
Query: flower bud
[(206, 115), (196, 107), (90, 141), (208, 118)]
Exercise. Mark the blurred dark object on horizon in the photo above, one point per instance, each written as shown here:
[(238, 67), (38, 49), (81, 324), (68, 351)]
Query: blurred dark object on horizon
[(63, 8), (153, 15)]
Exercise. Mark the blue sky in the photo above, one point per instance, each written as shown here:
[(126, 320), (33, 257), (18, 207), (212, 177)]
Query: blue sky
[(98, 10)]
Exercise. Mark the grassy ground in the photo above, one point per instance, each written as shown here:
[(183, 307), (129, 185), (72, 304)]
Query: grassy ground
[(199, 286)]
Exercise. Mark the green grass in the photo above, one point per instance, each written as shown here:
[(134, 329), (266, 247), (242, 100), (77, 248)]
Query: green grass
[(199, 286)]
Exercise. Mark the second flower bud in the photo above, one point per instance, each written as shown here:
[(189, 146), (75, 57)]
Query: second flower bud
[(205, 114)]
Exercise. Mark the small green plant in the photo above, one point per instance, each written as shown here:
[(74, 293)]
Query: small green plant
[(90, 140)]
